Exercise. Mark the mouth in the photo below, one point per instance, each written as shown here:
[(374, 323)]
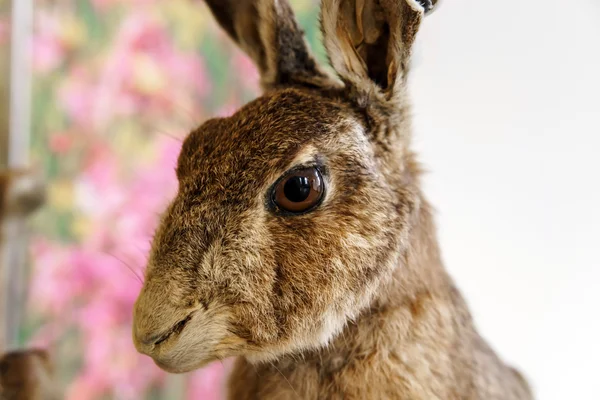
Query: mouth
[(172, 368), (174, 331), (192, 342), (183, 366)]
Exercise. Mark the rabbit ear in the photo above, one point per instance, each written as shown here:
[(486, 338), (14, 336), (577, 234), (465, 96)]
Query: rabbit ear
[(267, 31), (369, 43)]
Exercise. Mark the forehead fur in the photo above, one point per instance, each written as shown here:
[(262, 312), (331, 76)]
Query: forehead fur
[(265, 134)]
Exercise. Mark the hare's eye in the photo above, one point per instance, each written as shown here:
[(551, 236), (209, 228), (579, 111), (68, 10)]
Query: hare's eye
[(299, 191)]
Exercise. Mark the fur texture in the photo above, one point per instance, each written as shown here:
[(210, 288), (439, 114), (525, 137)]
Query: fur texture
[(350, 300)]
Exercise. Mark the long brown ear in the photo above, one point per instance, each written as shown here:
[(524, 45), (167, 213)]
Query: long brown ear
[(369, 43), (267, 31)]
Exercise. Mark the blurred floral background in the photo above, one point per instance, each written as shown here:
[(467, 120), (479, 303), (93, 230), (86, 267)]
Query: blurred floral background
[(117, 85), (506, 116)]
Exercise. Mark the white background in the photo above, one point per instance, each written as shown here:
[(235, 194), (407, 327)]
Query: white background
[(507, 121)]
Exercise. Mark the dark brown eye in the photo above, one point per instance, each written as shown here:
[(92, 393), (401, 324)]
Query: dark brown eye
[(299, 191)]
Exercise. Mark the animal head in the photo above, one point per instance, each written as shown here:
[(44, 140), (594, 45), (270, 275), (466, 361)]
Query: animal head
[(294, 212)]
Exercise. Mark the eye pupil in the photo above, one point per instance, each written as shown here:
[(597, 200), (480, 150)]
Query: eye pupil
[(297, 189)]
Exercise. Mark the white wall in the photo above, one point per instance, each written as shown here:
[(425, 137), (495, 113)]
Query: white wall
[(507, 118)]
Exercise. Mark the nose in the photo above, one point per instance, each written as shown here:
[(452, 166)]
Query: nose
[(157, 319), (145, 340)]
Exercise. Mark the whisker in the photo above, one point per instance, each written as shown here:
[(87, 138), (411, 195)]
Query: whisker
[(256, 371), (184, 111), (142, 252), (220, 360), (286, 379), (272, 364), (170, 135), (128, 267)]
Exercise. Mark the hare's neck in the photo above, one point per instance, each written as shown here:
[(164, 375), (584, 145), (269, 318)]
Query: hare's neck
[(419, 313)]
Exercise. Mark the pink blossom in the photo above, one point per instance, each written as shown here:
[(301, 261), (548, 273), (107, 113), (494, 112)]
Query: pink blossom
[(51, 286), (247, 72), (146, 73), (60, 143), (48, 49), (143, 74), (208, 383), (77, 96), (93, 285), (137, 78), (228, 109)]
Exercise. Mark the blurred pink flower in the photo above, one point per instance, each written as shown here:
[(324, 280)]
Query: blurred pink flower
[(228, 109), (93, 285), (132, 80), (48, 49), (60, 143), (145, 73), (208, 383), (84, 386), (77, 95), (247, 72), (51, 283)]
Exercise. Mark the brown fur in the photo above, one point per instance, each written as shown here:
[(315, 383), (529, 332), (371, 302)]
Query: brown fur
[(349, 301)]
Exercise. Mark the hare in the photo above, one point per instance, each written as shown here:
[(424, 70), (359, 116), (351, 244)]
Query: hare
[(300, 241), (26, 374)]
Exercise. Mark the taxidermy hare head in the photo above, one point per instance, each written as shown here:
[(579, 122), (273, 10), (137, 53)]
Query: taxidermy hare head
[(293, 212), (301, 215)]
